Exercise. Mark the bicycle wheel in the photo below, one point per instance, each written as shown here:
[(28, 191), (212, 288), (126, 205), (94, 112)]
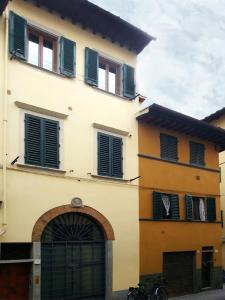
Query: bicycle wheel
[(132, 295), (160, 294)]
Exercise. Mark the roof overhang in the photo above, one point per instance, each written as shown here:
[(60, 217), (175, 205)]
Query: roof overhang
[(99, 21), (215, 115), (170, 119)]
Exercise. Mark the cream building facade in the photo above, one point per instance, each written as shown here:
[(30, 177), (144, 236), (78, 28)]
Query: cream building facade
[(68, 132), (218, 119)]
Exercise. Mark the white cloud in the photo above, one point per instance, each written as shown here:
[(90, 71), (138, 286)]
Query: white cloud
[(184, 69)]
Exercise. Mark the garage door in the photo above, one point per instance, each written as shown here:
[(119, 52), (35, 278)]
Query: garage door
[(178, 268)]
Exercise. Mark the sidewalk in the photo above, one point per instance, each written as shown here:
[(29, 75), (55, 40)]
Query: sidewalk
[(207, 295)]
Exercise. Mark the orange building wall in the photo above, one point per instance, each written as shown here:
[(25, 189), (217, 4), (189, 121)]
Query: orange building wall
[(157, 237)]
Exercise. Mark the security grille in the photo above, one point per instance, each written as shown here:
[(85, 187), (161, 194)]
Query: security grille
[(73, 259)]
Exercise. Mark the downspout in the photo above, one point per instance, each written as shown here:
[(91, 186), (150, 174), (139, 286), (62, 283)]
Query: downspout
[(4, 121)]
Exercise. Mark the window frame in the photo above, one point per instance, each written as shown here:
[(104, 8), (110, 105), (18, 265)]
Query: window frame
[(95, 161), (161, 150), (159, 210), (21, 160), (190, 154), (194, 213), (110, 63), (41, 36)]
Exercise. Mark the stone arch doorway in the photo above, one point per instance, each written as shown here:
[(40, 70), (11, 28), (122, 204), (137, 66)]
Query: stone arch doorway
[(76, 254)]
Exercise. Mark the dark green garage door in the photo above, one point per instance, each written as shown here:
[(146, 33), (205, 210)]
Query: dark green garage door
[(72, 259), (178, 268)]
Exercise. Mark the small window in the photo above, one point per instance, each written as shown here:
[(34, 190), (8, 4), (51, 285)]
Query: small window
[(41, 141), (110, 161), (165, 206), (42, 50), (109, 76), (200, 208), (168, 147), (197, 154)]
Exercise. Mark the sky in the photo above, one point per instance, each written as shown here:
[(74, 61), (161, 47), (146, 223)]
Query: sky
[(184, 69)]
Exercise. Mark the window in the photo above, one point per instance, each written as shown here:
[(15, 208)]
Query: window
[(41, 141), (15, 251), (168, 147), (39, 48), (110, 161), (200, 208), (107, 75), (197, 154), (42, 50), (165, 206)]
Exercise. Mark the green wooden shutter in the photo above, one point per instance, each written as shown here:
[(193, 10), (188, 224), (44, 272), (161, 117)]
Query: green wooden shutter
[(91, 66), (168, 147), (17, 35), (174, 206), (33, 148), (50, 143), (128, 82), (211, 209), (189, 210), (117, 160), (157, 206), (197, 154), (104, 164), (67, 57)]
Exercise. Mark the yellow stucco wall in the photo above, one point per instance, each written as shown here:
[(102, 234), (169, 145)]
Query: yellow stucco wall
[(32, 192), (170, 236), (220, 122)]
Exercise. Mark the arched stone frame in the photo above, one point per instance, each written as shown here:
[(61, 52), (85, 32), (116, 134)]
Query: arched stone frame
[(86, 210), (39, 227)]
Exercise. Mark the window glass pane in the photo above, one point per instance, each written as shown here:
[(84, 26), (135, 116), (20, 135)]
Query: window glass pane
[(48, 55), (33, 49), (101, 77), (112, 80)]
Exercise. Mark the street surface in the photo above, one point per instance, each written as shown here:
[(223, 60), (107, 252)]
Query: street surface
[(206, 295)]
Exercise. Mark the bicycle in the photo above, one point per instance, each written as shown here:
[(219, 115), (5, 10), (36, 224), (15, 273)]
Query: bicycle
[(157, 292)]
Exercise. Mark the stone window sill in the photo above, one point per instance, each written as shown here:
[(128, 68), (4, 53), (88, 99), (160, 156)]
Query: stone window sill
[(47, 169), (109, 178)]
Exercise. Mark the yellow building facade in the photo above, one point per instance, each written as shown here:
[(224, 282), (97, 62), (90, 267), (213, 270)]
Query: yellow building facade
[(218, 119), (180, 225), (68, 151)]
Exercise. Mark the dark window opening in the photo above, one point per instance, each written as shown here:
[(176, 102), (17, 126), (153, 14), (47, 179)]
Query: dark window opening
[(199, 208), (165, 206), (14, 251)]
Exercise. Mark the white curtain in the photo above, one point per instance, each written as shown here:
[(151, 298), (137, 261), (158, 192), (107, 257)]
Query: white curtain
[(202, 210), (166, 203)]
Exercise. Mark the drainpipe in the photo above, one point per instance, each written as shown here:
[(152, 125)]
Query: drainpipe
[(4, 135)]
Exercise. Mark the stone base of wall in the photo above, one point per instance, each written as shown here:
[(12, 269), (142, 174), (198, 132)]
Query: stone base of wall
[(150, 279), (119, 295), (216, 279)]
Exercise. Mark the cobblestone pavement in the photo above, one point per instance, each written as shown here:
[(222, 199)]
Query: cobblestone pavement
[(207, 295)]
